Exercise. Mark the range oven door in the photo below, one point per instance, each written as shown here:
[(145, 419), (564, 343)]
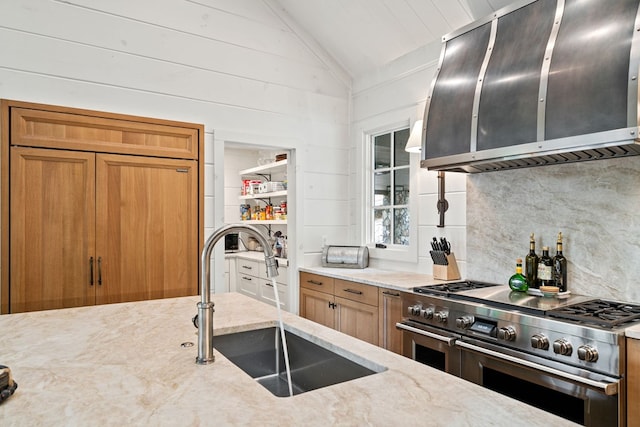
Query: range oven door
[(572, 393), (430, 346)]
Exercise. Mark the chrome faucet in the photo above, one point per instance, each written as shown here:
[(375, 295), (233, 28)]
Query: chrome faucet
[(205, 306)]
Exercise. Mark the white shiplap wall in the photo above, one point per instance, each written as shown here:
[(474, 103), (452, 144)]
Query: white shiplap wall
[(235, 66), (396, 94)]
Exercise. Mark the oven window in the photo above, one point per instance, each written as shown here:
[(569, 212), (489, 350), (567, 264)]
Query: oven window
[(433, 358), (569, 407)]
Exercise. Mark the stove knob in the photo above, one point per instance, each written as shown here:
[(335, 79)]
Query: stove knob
[(562, 347), (441, 316), (587, 353), (415, 310), (507, 333), (464, 322), (539, 341), (427, 313)]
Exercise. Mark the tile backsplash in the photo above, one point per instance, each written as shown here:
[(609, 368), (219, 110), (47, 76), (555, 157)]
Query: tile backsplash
[(595, 204)]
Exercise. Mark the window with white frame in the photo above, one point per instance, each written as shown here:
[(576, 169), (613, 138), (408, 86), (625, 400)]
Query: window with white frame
[(389, 210)]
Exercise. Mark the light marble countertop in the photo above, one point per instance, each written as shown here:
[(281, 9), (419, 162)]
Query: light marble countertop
[(633, 332), (123, 364), (399, 280)]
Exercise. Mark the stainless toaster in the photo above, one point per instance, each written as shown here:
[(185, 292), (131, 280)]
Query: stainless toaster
[(345, 256)]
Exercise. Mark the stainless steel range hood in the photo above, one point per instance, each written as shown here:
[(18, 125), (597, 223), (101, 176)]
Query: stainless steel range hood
[(538, 83)]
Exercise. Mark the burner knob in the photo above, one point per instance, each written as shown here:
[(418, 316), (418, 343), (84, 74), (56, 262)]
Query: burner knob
[(539, 341), (562, 347), (507, 333), (464, 322), (427, 313), (441, 316), (415, 310), (587, 353)]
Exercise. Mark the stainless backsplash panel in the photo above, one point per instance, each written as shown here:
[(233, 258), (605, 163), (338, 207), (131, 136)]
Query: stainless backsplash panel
[(596, 205)]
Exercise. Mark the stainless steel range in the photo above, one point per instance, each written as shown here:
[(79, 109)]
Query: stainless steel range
[(563, 354)]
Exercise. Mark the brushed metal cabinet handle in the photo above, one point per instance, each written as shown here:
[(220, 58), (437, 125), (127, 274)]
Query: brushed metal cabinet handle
[(391, 294), (91, 271), (353, 291), (100, 270)]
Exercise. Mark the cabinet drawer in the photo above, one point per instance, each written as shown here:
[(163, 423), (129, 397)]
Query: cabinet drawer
[(357, 292), (267, 294), (283, 273), (248, 285), (246, 266), (316, 282)]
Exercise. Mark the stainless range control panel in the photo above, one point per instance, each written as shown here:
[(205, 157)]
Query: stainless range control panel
[(559, 341)]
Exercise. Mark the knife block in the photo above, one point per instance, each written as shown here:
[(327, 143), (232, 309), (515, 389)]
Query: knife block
[(447, 272)]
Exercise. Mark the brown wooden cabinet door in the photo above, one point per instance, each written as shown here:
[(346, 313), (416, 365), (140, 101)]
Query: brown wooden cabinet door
[(52, 213), (633, 382), (146, 228), (390, 313), (357, 319), (317, 306)]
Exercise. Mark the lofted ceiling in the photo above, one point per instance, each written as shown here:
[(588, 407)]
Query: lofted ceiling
[(363, 35)]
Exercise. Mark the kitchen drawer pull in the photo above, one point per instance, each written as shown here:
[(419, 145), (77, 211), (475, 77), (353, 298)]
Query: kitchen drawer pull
[(449, 340), (91, 271), (247, 267), (610, 389), (353, 291), (313, 282), (392, 294), (268, 284), (100, 270), (246, 278)]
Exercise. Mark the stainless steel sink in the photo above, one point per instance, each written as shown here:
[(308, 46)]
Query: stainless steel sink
[(259, 353)]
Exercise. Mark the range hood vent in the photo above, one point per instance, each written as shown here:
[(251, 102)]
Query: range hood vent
[(537, 83)]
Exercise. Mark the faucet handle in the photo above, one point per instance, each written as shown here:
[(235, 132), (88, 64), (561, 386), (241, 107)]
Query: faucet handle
[(194, 319)]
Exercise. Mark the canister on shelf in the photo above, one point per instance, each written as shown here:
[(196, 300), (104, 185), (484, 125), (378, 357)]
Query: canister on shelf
[(245, 212)]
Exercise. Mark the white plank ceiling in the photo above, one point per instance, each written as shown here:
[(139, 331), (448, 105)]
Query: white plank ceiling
[(362, 35)]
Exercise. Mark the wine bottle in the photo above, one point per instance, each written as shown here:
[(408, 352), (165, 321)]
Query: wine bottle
[(518, 282), (545, 268), (560, 266), (531, 264)]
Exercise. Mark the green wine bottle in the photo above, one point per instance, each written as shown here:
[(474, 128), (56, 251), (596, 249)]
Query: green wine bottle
[(518, 282), (531, 264)]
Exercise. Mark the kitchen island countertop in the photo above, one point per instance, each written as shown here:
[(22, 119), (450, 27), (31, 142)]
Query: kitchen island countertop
[(123, 364)]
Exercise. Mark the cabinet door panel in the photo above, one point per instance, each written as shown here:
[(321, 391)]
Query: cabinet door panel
[(633, 381), (358, 320), (315, 306), (390, 313), (102, 132), (52, 228), (146, 227)]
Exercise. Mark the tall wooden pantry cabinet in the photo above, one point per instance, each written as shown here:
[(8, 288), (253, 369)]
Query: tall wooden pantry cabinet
[(97, 207)]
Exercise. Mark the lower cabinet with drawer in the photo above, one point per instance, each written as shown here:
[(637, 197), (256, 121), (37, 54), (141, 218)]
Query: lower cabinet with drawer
[(252, 281), (346, 306)]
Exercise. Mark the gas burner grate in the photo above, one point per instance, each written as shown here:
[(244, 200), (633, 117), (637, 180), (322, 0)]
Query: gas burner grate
[(598, 312), (452, 288)]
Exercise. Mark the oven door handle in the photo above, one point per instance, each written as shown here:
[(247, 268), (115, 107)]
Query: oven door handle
[(610, 389), (450, 341)]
